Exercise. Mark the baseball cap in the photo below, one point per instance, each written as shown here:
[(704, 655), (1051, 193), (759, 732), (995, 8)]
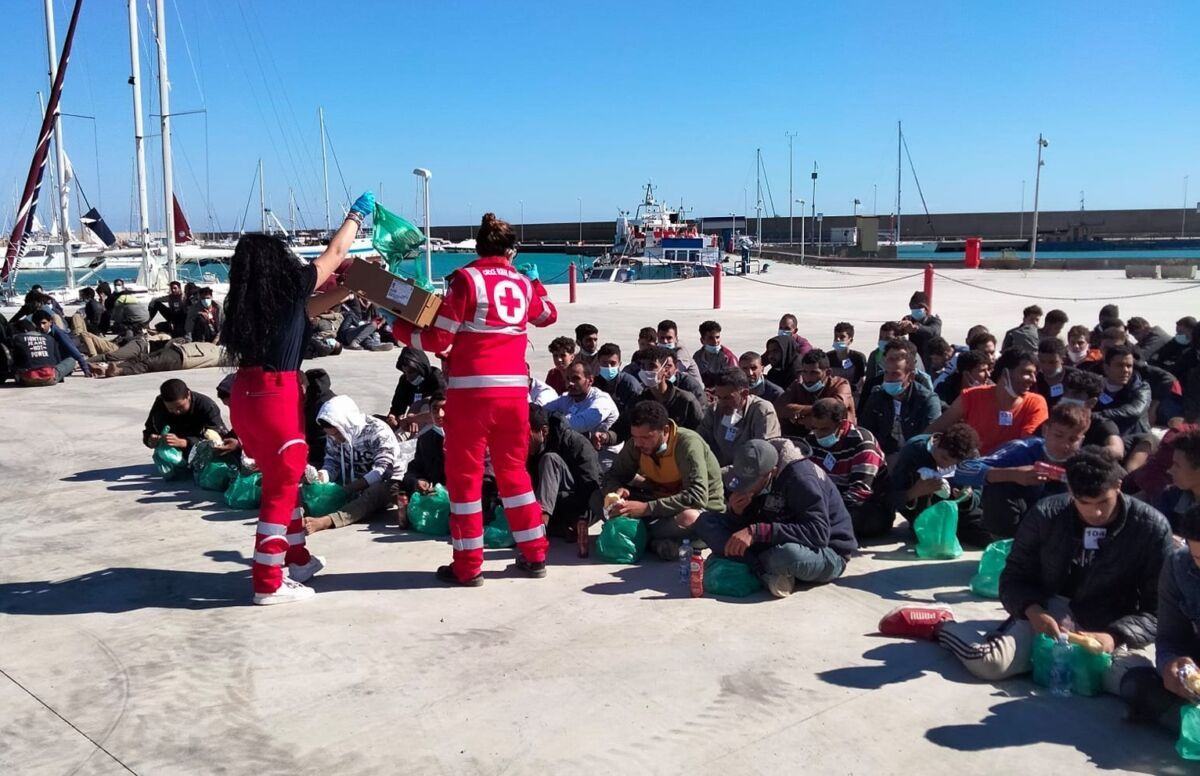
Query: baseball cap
[(753, 460)]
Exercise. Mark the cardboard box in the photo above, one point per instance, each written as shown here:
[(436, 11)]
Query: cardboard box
[(391, 292)]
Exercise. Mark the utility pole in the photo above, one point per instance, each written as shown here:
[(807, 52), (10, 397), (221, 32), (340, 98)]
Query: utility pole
[(63, 199), (874, 199), (800, 202), (325, 171), (1037, 185), (789, 136)]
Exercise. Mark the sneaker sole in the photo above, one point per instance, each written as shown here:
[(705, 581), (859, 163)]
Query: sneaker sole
[(273, 600), (302, 579)]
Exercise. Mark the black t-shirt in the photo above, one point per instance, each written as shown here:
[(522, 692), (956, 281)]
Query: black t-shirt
[(849, 364), (1099, 432), (286, 353), (35, 350)]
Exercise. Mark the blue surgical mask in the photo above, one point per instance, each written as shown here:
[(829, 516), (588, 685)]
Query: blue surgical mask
[(758, 382), (917, 313), (785, 332), (816, 387), (893, 387), (669, 345), (712, 348), (840, 345), (883, 344), (1183, 339), (609, 372), (206, 302), (828, 441)]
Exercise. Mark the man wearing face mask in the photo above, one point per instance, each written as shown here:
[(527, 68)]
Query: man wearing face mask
[(1000, 413), (844, 361), (1149, 338), (888, 331), (789, 326), (785, 519), (1051, 369), (814, 383), (853, 460), (920, 477), (665, 475), (1083, 389), (657, 373), (712, 358), (1026, 336), (1092, 554), (587, 337), (1126, 397), (737, 417), (623, 386), (920, 324), (1079, 349), (901, 406), (1173, 356), (752, 364), (1019, 474), (204, 318), (668, 337), (418, 381)]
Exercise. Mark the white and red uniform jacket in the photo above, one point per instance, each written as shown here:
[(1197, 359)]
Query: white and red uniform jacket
[(483, 316)]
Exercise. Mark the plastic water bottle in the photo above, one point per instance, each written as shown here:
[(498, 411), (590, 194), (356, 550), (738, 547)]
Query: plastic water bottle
[(685, 562), (1060, 667)]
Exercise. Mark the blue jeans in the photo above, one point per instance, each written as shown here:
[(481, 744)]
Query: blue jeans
[(64, 368), (803, 563)]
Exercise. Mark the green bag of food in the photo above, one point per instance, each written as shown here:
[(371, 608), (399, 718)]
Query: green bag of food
[(723, 576), (245, 492), (1088, 670), (429, 513), (398, 240), (937, 531), (1042, 659), (986, 582), (622, 540), (1188, 745), (497, 534), (216, 475), (321, 498), (168, 461)]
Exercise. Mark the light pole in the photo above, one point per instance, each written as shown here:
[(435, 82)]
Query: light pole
[(1183, 223), (789, 136), (856, 204), (800, 202), (813, 202), (580, 201), (425, 175), (1037, 184), (522, 203), (820, 236), (1021, 222), (874, 199)]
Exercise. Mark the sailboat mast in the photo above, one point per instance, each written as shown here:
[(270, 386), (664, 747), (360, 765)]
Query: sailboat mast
[(262, 199), (899, 142), (64, 197), (139, 144), (325, 169), (164, 104), (758, 200)]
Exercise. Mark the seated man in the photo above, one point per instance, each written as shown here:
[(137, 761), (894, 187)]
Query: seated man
[(1151, 480), (668, 337), (789, 326), (1056, 321), (190, 416), (938, 357), (1079, 348), (666, 475), (46, 355), (1158, 694), (1000, 413), (844, 361), (815, 382), (752, 364), (587, 337), (360, 455), (1027, 335), (1175, 356), (1149, 338), (564, 469), (786, 520), (562, 351), (1126, 397), (1024, 471), (624, 387), (656, 373), (175, 355), (852, 459), (1092, 554), (1083, 389), (1184, 493), (736, 418), (712, 358), (920, 477), (587, 409), (173, 309), (129, 315), (889, 331), (902, 406), (920, 325), (1051, 369), (419, 380), (427, 469), (971, 369)]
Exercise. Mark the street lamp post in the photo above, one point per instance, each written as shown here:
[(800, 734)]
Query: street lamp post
[(1037, 184), (425, 175), (791, 239), (1183, 223), (800, 202), (820, 234), (856, 204), (813, 203)]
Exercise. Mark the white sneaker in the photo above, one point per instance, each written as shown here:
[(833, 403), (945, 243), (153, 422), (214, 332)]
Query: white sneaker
[(306, 572), (287, 593), (779, 585)]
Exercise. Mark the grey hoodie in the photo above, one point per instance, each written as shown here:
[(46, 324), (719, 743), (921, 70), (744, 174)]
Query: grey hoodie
[(371, 449)]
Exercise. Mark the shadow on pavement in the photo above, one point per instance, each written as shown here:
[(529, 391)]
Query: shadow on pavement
[(918, 578), (660, 577)]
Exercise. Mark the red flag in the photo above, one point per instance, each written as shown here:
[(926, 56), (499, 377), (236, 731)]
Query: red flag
[(183, 232)]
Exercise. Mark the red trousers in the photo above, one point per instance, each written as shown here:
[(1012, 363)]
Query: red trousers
[(267, 410), (477, 424)]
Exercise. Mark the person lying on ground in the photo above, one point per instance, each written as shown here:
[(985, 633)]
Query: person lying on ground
[(360, 455), (565, 471), (785, 519), (665, 475), (191, 417), (1092, 555), (45, 355), (852, 459), (175, 355), (736, 417)]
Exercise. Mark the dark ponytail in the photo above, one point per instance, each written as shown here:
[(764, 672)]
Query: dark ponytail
[(495, 237)]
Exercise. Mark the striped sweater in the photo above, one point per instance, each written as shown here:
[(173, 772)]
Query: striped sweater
[(853, 463)]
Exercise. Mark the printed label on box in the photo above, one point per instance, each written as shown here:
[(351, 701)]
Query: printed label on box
[(399, 292)]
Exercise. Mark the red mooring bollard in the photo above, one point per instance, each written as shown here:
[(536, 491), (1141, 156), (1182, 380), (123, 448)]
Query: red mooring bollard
[(571, 280), (929, 285), (718, 273)]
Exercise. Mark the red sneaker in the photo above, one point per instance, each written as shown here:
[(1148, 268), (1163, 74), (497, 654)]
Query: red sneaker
[(915, 621)]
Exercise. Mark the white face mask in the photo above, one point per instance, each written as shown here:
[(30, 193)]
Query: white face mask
[(732, 420), (648, 377), (438, 429), (1076, 355)]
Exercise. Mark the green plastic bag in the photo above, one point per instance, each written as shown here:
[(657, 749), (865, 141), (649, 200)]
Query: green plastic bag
[(622, 540), (1087, 669), (168, 461), (1188, 745), (245, 492), (321, 498), (723, 576), (397, 240), (215, 476), (937, 531), (986, 582), (497, 534), (1042, 658), (429, 513)]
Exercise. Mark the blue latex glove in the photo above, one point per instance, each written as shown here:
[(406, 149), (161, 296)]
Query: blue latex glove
[(529, 270), (388, 316), (364, 205)]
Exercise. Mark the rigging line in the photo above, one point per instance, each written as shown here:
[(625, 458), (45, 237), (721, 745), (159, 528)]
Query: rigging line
[(770, 196), (336, 163), (246, 210), (188, 48), (928, 218)]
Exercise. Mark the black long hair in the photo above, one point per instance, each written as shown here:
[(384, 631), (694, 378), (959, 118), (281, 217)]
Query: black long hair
[(264, 282)]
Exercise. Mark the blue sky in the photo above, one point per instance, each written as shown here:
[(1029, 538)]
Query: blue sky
[(550, 102)]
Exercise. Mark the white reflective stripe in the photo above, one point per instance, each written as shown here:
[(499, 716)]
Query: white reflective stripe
[(415, 342), (519, 501), (291, 442), (269, 558), (466, 507), (449, 324), (296, 538), (544, 314), (298, 514), (468, 544), (489, 381), (270, 529), (536, 532), (482, 303), (472, 328)]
